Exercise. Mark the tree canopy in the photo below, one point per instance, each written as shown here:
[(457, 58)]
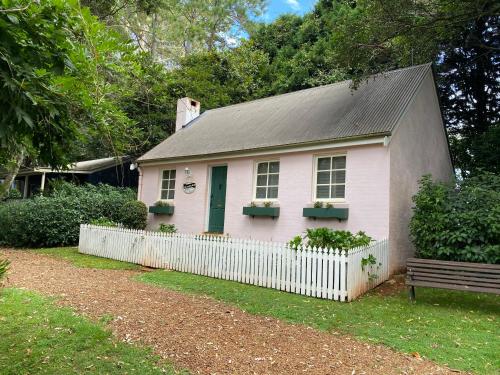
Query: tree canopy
[(100, 78)]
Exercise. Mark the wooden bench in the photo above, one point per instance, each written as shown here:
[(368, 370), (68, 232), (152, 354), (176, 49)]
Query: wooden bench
[(473, 277)]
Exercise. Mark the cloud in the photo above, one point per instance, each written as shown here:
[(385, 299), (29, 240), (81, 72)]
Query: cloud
[(294, 4)]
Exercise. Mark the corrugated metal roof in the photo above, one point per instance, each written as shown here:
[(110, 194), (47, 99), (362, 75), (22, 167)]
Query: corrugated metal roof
[(330, 112)]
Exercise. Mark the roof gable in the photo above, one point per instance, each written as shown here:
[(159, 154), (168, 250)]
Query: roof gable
[(330, 112)]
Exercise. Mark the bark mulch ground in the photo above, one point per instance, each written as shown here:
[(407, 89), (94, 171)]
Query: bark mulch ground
[(201, 334)]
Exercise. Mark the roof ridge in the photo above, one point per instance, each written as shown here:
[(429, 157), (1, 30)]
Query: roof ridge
[(317, 87)]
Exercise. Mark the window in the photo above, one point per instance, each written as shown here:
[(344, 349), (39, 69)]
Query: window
[(168, 184), (330, 177), (267, 180)]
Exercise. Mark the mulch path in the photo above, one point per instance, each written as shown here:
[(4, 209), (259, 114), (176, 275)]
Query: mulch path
[(201, 334)]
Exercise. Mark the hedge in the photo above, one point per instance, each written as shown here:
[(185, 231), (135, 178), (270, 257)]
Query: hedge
[(458, 222), (55, 220)]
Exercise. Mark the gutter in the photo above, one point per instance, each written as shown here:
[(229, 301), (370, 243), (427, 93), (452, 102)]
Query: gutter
[(377, 138)]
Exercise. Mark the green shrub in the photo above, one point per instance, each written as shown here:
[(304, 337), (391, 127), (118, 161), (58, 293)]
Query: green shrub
[(162, 204), (332, 239), (134, 215), (458, 222), (4, 266), (167, 228), (104, 222), (55, 220)]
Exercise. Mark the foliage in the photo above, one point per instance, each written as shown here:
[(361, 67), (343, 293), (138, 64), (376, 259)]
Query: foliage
[(327, 238), (134, 215), (72, 255), (55, 220), (458, 223), (369, 264), (161, 203), (318, 204), (4, 266), (167, 228), (104, 222), (13, 194), (444, 326), (61, 72), (267, 204), (66, 343)]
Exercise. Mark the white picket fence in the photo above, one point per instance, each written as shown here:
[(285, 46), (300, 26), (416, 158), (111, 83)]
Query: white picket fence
[(330, 274)]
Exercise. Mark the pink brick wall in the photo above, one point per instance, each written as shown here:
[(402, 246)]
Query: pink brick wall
[(367, 195)]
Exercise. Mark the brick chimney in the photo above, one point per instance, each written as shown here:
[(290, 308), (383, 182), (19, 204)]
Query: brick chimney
[(187, 110)]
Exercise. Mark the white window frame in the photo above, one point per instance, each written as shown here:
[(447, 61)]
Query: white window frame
[(161, 184), (254, 190), (315, 179)]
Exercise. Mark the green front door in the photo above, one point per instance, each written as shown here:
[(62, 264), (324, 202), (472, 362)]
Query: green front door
[(217, 200)]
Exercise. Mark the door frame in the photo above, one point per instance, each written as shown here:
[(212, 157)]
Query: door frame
[(209, 192)]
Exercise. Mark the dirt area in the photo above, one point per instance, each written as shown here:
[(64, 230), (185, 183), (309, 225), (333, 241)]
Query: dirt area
[(201, 334)]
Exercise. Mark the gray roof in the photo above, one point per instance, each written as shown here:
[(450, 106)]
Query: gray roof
[(319, 114)]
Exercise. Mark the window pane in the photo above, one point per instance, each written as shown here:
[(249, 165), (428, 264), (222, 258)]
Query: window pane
[(323, 192), (273, 179), (166, 175), (164, 194), (339, 162), (172, 174), (262, 168), (261, 193), (172, 184), (338, 177), (274, 167), (324, 164), (164, 184), (338, 191), (272, 192), (171, 194), (261, 180), (323, 177)]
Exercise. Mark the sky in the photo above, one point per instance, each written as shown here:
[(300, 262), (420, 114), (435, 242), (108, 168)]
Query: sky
[(276, 8)]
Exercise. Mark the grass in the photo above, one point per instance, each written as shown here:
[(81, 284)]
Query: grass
[(457, 329), (40, 338), (86, 261)]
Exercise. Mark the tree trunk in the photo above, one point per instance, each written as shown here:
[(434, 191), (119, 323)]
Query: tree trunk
[(12, 170)]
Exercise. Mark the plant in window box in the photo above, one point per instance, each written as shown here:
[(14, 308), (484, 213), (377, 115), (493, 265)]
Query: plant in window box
[(162, 208), (326, 212), (265, 210)]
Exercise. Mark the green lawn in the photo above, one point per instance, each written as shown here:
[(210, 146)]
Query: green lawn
[(37, 337), (88, 261), (457, 329)]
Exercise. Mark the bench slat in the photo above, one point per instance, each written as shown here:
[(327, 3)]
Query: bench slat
[(451, 272), (449, 278), (454, 287), (454, 268), (455, 264), (438, 279)]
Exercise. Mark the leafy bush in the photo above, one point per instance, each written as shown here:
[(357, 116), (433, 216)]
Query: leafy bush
[(13, 194), (104, 222), (55, 220), (4, 266), (162, 204), (332, 239), (167, 228), (458, 223), (134, 215)]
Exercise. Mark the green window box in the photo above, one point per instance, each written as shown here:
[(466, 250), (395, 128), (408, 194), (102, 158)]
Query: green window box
[(262, 211), (161, 210), (326, 213)]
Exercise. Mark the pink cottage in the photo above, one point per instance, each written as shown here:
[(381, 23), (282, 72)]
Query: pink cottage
[(256, 169)]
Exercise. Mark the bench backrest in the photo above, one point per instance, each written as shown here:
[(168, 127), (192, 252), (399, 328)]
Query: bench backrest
[(477, 277)]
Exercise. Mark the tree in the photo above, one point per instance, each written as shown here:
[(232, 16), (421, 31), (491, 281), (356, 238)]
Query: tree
[(460, 37), (60, 69)]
